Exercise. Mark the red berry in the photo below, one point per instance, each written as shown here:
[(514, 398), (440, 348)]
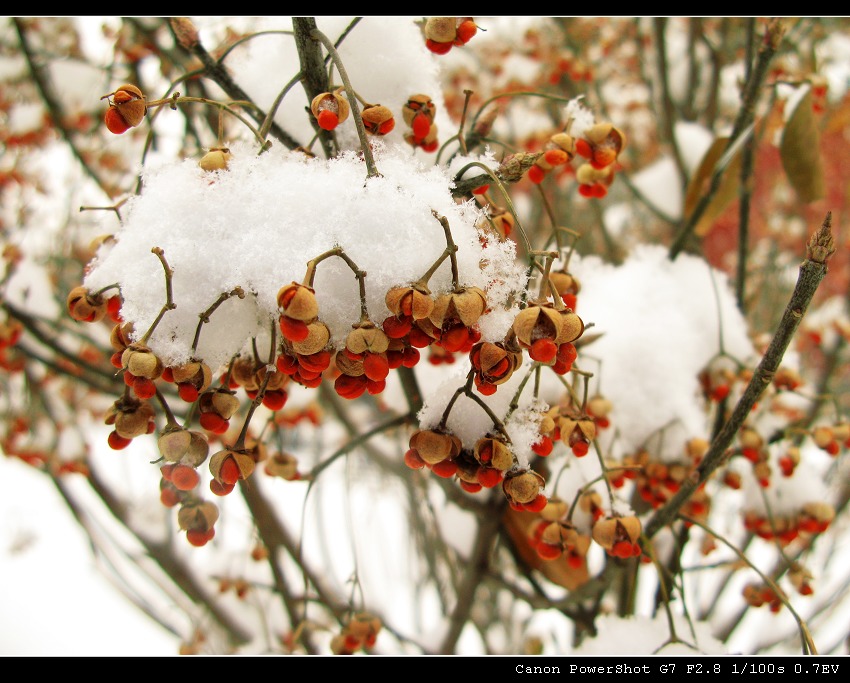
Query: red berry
[(445, 469), (580, 448), (465, 32), (219, 488), (376, 367), (470, 487), (117, 442), (187, 392), (275, 399), (169, 497), (327, 119), (412, 460), (543, 350), (184, 478), (115, 122), (293, 330), (199, 538), (536, 174), (144, 388), (229, 472), (543, 447), (213, 422), (537, 504), (396, 327), (350, 387), (489, 477), (434, 46), (583, 148), (421, 126)]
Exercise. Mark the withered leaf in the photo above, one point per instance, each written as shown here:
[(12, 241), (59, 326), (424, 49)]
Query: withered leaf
[(800, 152)]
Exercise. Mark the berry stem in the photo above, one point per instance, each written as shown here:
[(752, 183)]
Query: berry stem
[(169, 304), (170, 420), (451, 248), (365, 146), (466, 390), (805, 636), (205, 316)]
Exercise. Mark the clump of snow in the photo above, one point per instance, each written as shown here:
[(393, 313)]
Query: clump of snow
[(258, 223), (660, 323), (641, 635)]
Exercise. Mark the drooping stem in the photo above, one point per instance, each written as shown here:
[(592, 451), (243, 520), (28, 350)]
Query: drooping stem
[(169, 304), (451, 249), (205, 316), (365, 146), (359, 274)]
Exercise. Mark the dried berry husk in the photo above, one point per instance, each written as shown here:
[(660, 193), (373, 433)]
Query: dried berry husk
[(140, 361), (245, 463), (317, 339), (556, 509), (414, 300), (120, 336), (466, 305), (493, 453), (195, 372), (572, 327), (283, 465), (130, 417), (215, 160), (84, 306), (560, 534), (197, 516), (333, 102), (494, 362), (365, 337), (607, 532), (377, 119), (349, 366), (537, 322), (441, 29), (417, 104), (184, 446), (130, 103), (587, 175), (219, 401), (434, 447), (523, 487), (298, 302)]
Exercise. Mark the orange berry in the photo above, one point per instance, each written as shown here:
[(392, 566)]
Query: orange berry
[(117, 442), (536, 174), (327, 119), (465, 32), (213, 422), (184, 478), (115, 122), (433, 46), (199, 538)]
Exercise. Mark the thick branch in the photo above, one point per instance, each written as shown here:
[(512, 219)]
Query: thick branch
[(812, 271)]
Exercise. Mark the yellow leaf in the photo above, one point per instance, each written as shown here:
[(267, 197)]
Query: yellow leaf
[(800, 152)]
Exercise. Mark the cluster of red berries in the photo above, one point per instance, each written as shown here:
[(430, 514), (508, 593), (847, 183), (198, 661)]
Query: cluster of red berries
[(443, 33), (812, 519), (489, 463)]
